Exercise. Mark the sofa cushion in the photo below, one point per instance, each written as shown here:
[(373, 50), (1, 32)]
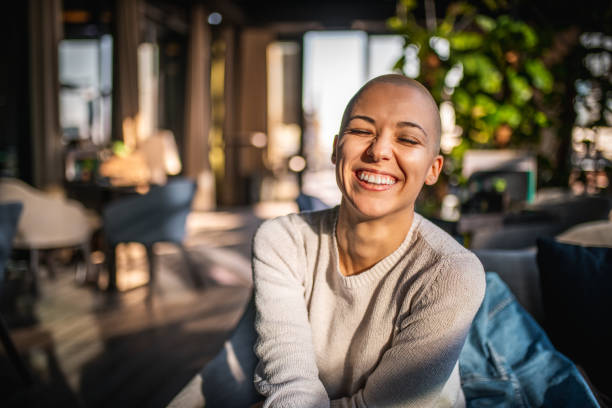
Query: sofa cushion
[(576, 286), (595, 233)]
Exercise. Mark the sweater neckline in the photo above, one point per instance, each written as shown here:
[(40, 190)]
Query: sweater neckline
[(378, 270)]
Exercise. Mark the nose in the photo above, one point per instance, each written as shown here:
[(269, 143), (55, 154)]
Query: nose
[(380, 148)]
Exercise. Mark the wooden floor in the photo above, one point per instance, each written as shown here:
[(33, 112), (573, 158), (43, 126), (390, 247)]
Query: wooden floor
[(92, 349)]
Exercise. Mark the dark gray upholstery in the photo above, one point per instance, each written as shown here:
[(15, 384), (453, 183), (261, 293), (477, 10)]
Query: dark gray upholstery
[(513, 237), (519, 270)]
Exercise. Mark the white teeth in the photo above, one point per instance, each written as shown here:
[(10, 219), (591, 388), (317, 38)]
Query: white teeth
[(376, 178)]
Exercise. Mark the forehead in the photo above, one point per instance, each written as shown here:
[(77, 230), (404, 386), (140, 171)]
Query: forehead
[(398, 103), (393, 97), (390, 104)]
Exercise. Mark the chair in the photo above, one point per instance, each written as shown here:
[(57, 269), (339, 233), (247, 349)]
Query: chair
[(9, 216), (158, 216), (307, 202), (47, 222)]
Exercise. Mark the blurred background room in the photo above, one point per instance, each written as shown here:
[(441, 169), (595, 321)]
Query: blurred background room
[(145, 140)]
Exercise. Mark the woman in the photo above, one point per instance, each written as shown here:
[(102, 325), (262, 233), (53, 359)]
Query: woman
[(367, 304)]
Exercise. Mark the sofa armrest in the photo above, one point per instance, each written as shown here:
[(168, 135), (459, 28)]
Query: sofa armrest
[(519, 270)]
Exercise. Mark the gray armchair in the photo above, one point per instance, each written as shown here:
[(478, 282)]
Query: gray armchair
[(158, 216)]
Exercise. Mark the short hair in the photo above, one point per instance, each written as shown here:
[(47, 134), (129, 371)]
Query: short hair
[(399, 80)]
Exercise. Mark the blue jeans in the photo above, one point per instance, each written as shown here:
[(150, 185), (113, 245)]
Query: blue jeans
[(508, 361)]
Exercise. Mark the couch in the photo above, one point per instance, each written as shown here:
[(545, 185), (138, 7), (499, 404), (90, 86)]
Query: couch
[(520, 270)]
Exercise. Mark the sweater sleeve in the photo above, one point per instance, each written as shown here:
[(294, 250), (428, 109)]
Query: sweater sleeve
[(423, 354), (287, 373)]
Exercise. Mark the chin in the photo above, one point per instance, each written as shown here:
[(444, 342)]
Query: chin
[(372, 210)]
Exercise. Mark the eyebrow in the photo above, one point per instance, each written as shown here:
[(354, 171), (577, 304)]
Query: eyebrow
[(399, 124)]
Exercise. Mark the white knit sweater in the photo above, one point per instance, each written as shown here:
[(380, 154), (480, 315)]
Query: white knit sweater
[(387, 337)]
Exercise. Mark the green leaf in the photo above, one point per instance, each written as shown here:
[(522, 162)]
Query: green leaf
[(483, 105), (462, 101), (466, 41), (490, 80), (541, 119), (487, 24), (479, 136), (504, 21), (512, 28), (476, 63), (521, 91), (529, 35), (395, 23), (509, 114), (445, 28), (470, 64), (408, 4), (399, 64), (540, 75), (458, 152)]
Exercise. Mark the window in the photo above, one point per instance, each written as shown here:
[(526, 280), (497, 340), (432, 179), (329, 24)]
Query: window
[(85, 70), (336, 64)]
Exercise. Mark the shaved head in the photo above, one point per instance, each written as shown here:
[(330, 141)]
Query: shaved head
[(398, 80)]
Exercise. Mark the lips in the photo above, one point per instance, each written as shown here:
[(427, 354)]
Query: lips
[(375, 178)]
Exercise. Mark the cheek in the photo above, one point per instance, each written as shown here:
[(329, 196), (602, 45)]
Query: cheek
[(344, 155), (340, 171), (415, 167)]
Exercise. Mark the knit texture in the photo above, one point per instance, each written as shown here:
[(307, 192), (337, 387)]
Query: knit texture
[(387, 337)]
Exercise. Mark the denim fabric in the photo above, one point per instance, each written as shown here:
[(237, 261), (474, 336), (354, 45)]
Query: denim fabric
[(508, 361)]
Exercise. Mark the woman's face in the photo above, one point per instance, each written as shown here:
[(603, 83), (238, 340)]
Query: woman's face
[(387, 151)]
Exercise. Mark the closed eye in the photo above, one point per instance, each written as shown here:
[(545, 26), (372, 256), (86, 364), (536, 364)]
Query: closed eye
[(358, 131), (408, 140)]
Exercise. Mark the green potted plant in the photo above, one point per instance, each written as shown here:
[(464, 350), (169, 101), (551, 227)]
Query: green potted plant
[(489, 68)]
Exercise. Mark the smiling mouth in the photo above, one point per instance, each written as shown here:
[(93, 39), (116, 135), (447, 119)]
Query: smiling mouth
[(375, 178)]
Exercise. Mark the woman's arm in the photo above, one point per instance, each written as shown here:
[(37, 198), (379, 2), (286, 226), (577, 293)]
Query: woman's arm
[(413, 371), (287, 372)]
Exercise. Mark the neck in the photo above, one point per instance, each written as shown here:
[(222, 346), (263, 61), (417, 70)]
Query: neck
[(362, 243)]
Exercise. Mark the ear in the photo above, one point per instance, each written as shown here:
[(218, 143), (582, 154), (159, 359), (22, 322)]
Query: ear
[(434, 170), (333, 156)]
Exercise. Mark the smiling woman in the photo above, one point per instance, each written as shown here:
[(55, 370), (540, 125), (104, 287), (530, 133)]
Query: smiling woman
[(367, 304), (391, 128)]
